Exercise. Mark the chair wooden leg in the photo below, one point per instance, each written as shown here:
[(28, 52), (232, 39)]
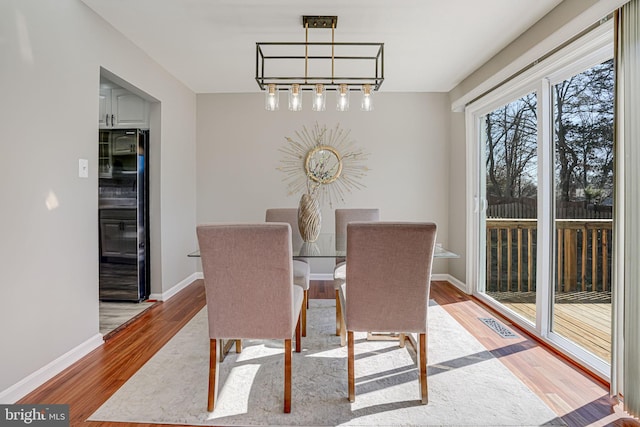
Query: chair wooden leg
[(401, 338), (213, 375), (350, 366), (298, 334), (338, 312), (343, 332), (225, 347), (303, 313), (287, 376), (221, 352), (424, 392)]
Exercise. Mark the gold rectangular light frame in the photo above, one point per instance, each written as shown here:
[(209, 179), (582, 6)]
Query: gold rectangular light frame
[(270, 56)]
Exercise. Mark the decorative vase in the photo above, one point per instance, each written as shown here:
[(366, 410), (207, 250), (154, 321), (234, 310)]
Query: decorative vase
[(310, 249), (309, 218)]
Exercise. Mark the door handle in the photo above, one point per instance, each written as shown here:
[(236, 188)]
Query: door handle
[(112, 119), (479, 204)]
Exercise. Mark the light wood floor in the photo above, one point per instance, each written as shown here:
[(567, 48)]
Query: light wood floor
[(581, 317), (573, 395)]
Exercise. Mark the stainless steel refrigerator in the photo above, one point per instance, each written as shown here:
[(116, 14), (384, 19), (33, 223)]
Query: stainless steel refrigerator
[(124, 214)]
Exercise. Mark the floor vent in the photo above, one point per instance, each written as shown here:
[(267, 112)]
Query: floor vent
[(498, 327)]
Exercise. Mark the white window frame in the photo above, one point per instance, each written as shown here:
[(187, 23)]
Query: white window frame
[(591, 49)]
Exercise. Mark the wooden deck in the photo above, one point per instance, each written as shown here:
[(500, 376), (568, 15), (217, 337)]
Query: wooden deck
[(582, 317)]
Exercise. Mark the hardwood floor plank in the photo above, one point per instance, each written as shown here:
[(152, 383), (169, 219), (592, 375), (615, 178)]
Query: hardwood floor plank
[(322, 289), (85, 386)]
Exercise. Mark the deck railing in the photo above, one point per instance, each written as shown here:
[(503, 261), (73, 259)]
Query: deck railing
[(583, 255)]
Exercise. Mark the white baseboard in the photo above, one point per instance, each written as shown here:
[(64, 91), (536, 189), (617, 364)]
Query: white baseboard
[(440, 277), (44, 374), (177, 288), (457, 283), (321, 276)]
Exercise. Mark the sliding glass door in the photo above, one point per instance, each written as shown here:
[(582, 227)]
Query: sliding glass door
[(541, 225), (510, 191), (583, 193)]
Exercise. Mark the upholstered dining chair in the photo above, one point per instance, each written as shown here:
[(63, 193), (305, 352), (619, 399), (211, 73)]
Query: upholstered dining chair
[(248, 277), (342, 218), (301, 268), (388, 280)]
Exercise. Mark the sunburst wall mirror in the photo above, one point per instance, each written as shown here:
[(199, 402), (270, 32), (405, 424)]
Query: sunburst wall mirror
[(323, 165)]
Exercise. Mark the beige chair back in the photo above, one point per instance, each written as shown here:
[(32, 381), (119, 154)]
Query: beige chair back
[(388, 276), (290, 216), (345, 216), (248, 279)]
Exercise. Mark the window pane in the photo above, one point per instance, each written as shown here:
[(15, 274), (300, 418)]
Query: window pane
[(583, 137), (510, 146)]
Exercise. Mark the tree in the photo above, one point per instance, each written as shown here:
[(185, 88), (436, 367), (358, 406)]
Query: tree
[(511, 141), (583, 138), (583, 116)]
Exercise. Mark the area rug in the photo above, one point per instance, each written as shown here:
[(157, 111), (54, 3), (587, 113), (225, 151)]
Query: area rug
[(467, 385)]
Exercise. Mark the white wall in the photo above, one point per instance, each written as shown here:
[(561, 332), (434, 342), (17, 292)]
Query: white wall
[(457, 199), (49, 74), (406, 135)]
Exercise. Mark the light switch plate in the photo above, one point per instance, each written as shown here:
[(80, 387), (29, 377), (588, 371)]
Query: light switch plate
[(83, 168)]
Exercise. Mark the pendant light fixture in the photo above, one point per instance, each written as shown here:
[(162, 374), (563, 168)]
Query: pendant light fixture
[(308, 64)]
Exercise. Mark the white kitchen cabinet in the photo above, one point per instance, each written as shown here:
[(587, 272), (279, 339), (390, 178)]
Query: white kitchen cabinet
[(121, 109)]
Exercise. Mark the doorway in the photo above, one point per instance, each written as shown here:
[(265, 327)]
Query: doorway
[(123, 212)]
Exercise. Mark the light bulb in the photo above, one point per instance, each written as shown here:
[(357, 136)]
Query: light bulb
[(367, 98), (295, 97), (318, 98), (271, 101), (342, 95)]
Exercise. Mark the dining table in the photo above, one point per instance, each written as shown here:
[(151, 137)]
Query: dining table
[(326, 246)]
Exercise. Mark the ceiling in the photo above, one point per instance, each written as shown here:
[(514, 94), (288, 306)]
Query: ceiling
[(430, 45)]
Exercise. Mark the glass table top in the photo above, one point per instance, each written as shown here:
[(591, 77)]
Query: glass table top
[(326, 247)]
